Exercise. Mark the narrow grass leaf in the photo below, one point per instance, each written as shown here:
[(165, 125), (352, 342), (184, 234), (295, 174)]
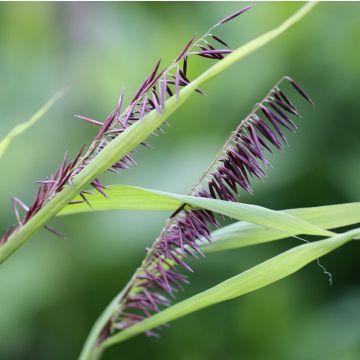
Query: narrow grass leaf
[(20, 128), (131, 196), (255, 278), (122, 197), (241, 234)]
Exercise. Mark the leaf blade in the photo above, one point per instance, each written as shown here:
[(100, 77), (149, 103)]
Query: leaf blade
[(22, 127), (237, 235), (282, 221), (122, 197), (243, 234), (255, 278)]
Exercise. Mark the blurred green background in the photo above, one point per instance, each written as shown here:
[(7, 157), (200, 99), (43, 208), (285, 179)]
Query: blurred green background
[(52, 290)]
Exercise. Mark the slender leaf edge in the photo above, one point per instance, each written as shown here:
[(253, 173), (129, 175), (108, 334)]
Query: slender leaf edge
[(250, 280), (18, 129)]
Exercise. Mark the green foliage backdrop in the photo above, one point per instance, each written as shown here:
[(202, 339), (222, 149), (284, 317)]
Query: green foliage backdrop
[(52, 290)]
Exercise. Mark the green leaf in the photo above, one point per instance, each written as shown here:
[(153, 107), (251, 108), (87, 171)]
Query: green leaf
[(239, 234), (20, 128), (125, 195), (136, 134), (255, 278), (122, 197), (243, 234)]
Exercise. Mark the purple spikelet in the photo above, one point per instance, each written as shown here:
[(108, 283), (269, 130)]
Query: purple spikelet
[(241, 159), (152, 94), (235, 14)]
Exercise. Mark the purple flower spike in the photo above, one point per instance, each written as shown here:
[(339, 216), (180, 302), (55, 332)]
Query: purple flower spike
[(109, 120), (286, 107), (143, 107), (214, 52), (155, 101), (300, 90), (272, 118), (185, 62), (145, 84), (184, 50), (91, 121), (283, 118), (269, 135), (219, 40), (121, 98), (283, 97), (235, 14)]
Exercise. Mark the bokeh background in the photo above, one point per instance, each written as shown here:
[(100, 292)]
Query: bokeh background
[(52, 290)]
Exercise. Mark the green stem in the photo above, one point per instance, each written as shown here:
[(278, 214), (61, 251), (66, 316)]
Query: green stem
[(91, 347)]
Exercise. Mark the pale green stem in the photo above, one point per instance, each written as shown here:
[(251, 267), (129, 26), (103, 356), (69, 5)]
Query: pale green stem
[(20, 128), (91, 350)]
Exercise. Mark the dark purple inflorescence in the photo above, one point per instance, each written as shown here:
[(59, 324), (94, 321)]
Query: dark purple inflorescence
[(242, 158), (151, 95)]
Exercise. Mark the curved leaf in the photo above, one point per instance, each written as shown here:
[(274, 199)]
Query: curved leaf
[(122, 197), (239, 234), (243, 234), (255, 278), (125, 195), (20, 128)]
